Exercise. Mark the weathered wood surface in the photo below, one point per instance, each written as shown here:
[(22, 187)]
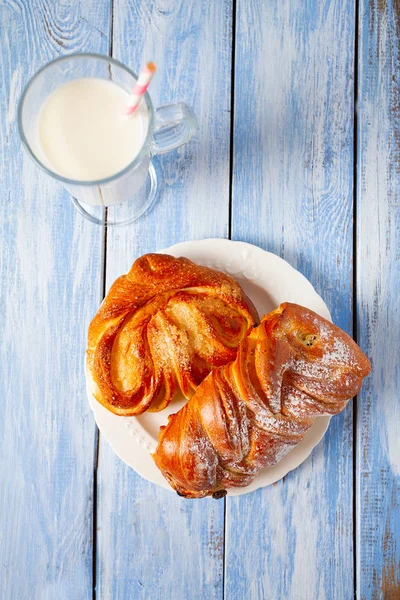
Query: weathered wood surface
[(50, 285), (378, 280), (293, 195), (151, 543)]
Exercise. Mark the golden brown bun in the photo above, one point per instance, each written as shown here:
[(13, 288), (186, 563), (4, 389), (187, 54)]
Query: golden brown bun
[(163, 326), (248, 414)]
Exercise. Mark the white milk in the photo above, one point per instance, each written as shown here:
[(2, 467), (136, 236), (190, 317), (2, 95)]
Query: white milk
[(82, 134)]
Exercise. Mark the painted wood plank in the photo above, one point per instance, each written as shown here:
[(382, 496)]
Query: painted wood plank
[(151, 543), (378, 307), (50, 282), (292, 194)]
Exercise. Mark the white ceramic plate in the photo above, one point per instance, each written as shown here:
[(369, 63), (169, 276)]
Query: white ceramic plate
[(268, 280)]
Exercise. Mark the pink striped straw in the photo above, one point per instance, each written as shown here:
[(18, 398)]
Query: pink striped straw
[(141, 86)]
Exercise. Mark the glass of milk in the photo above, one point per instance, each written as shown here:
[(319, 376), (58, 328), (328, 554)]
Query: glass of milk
[(71, 123)]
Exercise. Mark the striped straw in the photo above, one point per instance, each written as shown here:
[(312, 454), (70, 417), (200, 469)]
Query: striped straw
[(141, 86)]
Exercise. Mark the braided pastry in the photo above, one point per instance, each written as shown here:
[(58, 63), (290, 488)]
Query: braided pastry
[(246, 415), (163, 326)]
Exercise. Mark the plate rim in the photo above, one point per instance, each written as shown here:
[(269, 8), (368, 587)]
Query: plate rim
[(321, 423)]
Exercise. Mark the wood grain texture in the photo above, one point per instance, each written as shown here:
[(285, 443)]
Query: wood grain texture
[(50, 281), (292, 194), (151, 543), (378, 276)]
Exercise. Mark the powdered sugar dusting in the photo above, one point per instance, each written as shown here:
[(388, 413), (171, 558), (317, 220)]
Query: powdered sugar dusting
[(312, 365)]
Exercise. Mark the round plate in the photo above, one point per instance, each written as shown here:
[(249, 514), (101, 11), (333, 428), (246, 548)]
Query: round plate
[(268, 280)]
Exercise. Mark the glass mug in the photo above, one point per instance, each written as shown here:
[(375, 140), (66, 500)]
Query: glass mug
[(168, 128)]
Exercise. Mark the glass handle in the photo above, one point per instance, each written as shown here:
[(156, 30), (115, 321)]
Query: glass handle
[(174, 125)]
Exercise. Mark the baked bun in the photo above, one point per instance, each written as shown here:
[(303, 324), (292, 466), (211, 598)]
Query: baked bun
[(246, 415), (162, 327)]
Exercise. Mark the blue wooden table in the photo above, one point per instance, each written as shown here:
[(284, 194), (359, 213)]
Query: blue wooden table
[(298, 152)]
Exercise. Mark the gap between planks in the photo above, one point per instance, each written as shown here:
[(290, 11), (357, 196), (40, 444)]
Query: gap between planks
[(355, 316), (231, 167), (103, 284)]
